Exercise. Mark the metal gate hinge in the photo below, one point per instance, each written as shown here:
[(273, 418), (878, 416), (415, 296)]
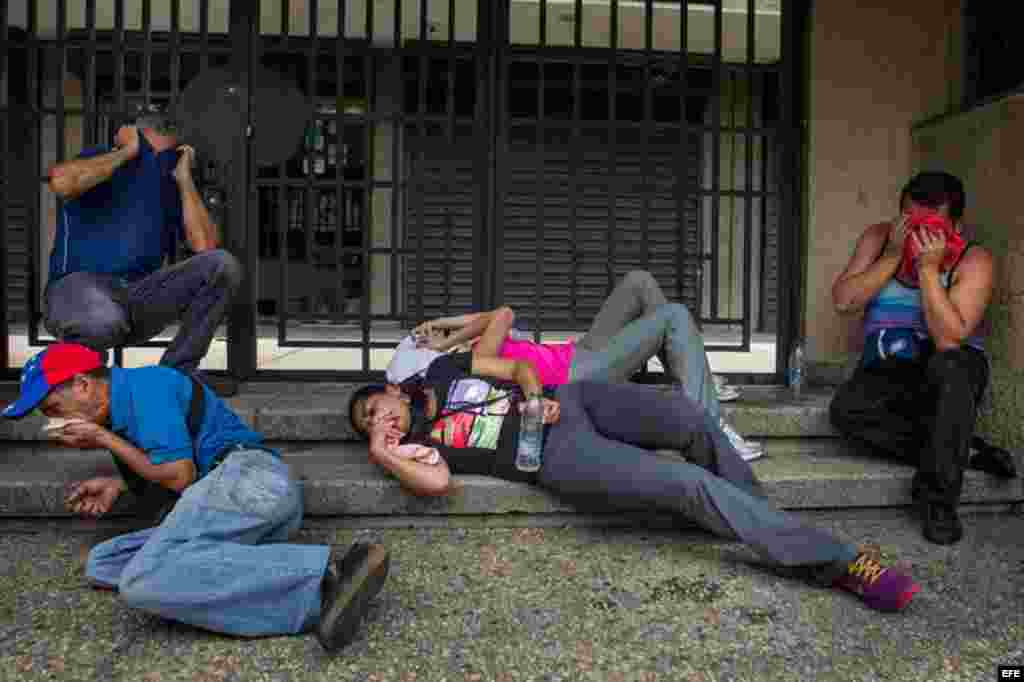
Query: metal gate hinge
[(248, 131)]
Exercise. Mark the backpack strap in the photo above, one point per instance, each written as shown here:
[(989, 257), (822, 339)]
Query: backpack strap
[(196, 412)]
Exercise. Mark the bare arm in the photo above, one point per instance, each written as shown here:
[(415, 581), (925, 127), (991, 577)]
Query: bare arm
[(953, 314), (519, 371), (71, 179), (201, 232), (87, 435), (430, 480), (869, 268), (173, 475), (468, 327), (453, 321)]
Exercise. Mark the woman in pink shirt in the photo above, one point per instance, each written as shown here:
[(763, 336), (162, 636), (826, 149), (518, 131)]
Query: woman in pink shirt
[(636, 322)]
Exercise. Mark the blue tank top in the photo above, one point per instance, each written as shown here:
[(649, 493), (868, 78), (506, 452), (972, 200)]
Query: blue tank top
[(897, 308)]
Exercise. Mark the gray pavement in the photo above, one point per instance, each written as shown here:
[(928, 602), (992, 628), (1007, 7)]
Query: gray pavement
[(477, 601)]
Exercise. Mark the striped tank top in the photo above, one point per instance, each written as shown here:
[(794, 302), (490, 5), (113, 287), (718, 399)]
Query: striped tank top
[(898, 306)]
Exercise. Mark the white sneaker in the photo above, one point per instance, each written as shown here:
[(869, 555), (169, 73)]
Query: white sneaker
[(749, 450), (725, 392)]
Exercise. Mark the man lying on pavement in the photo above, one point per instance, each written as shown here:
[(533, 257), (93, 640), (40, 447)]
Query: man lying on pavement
[(219, 559)]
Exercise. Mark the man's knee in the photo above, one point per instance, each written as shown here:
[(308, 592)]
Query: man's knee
[(95, 561), (639, 279), (134, 588), (225, 271)]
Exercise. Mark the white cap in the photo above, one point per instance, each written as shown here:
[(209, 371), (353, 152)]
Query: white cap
[(409, 360)]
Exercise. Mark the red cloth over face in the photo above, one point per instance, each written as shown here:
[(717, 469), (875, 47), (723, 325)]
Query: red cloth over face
[(928, 219)]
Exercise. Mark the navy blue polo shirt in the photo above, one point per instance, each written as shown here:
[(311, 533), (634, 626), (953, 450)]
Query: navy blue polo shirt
[(125, 226), (149, 407)]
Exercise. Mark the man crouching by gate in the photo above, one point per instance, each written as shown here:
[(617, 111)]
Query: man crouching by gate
[(219, 559)]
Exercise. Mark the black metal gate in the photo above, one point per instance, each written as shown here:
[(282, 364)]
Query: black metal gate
[(459, 154)]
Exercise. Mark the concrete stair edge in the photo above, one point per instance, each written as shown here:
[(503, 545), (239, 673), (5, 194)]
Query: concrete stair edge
[(337, 480), (314, 412)]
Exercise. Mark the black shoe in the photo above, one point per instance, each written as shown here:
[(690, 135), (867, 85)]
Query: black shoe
[(350, 583), (941, 523), (992, 460)]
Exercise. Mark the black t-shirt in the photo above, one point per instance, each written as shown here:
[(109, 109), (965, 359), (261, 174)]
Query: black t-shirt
[(481, 439)]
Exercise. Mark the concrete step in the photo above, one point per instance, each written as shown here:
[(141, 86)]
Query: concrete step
[(319, 412), (806, 473)]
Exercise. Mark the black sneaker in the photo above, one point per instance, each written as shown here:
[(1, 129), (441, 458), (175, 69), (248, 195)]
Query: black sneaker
[(350, 582), (941, 523), (992, 459)]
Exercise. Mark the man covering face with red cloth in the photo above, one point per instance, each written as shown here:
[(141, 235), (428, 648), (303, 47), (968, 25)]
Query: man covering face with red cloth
[(922, 294), (926, 225)]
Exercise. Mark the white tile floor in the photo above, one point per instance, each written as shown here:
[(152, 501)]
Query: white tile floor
[(271, 356)]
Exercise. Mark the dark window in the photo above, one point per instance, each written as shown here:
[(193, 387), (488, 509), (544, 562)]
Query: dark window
[(993, 51)]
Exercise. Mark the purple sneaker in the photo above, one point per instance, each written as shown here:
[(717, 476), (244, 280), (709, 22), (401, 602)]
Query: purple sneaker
[(882, 589)]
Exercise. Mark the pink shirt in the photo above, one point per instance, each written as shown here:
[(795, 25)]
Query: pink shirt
[(551, 360)]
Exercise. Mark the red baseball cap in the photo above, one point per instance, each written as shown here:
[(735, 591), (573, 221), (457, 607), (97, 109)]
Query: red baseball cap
[(52, 366)]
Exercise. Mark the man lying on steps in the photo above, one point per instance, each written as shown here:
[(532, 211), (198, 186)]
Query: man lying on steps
[(596, 448)]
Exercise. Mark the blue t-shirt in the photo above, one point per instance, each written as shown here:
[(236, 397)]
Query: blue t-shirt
[(149, 407), (125, 226)]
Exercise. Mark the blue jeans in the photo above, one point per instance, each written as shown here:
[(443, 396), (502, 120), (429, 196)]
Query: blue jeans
[(218, 561)]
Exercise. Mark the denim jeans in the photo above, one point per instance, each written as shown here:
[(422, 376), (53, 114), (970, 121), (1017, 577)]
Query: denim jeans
[(101, 311), (219, 560), (599, 453), (636, 323)]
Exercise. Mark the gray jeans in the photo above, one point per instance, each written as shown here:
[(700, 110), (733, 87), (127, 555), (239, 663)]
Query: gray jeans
[(101, 311), (637, 323), (599, 452)]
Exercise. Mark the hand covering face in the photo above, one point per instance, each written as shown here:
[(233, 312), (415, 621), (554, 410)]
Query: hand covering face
[(931, 220)]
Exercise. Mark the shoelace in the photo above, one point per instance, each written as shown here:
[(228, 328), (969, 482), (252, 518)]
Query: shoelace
[(867, 569)]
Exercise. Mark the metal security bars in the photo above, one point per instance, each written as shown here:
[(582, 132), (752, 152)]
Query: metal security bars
[(367, 246), (456, 155), (83, 68), (648, 141), (5, 184)]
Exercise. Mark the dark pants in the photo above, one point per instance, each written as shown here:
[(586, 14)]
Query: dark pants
[(101, 311), (922, 412), (599, 452)]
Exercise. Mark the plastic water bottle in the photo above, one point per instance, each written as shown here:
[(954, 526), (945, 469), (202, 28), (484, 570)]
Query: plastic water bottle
[(531, 435), (796, 374)]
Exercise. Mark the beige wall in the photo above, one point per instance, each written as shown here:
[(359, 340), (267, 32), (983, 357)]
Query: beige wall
[(985, 147), (875, 68), (883, 103)]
